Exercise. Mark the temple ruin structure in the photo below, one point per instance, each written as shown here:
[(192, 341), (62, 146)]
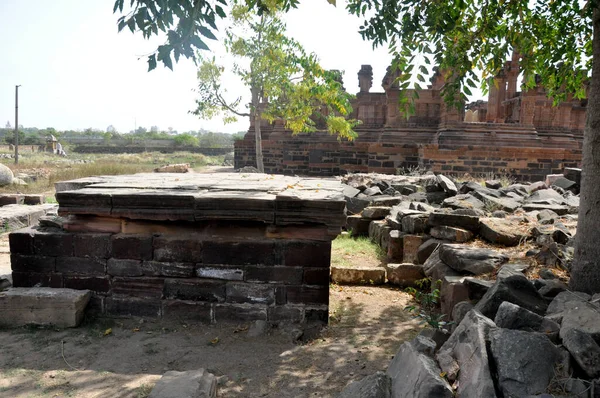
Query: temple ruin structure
[(205, 247), (515, 132)]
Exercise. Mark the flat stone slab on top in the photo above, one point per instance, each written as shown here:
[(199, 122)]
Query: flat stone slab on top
[(273, 199)]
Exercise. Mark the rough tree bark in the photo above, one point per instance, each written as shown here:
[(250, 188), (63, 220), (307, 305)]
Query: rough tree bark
[(585, 273)]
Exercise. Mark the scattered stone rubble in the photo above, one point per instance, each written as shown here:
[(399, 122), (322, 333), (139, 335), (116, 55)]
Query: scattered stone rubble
[(510, 336)]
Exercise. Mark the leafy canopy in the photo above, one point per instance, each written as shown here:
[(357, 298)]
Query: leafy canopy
[(463, 37), (187, 24), (286, 82)]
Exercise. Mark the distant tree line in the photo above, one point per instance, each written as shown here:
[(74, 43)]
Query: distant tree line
[(200, 138)]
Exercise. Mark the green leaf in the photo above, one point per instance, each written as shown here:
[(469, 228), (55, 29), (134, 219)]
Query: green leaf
[(207, 33), (151, 62), (198, 43), (220, 11), (131, 24)]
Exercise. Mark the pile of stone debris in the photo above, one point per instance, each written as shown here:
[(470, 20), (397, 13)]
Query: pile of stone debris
[(511, 336)]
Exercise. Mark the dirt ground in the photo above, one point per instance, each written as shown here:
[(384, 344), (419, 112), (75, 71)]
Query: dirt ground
[(367, 326)]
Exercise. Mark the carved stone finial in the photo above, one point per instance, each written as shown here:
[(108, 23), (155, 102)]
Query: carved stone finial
[(365, 78)]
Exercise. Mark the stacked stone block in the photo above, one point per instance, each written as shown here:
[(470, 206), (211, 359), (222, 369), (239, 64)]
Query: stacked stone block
[(205, 278)]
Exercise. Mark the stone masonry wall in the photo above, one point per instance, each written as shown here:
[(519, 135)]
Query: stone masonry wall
[(529, 158), (210, 273), (526, 164)]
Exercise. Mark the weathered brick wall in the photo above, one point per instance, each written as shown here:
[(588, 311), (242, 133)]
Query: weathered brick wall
[(232, 271), (320, 154), (523, 152), (526, 164)]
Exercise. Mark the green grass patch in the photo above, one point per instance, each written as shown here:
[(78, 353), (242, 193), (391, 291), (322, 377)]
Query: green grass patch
[(348, 251)]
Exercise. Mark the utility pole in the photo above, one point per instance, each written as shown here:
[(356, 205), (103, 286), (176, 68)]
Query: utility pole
[(17, 124)]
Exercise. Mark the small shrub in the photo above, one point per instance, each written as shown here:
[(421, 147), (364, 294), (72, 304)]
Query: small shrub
[(427, 298)]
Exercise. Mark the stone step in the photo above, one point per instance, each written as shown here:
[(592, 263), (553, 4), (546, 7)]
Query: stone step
[(42, 306)]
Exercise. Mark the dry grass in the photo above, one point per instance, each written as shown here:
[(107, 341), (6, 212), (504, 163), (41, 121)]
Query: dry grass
[(51, 169), (347, 251)]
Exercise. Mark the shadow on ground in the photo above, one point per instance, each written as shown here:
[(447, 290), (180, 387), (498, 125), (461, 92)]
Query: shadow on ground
[(367, 326)]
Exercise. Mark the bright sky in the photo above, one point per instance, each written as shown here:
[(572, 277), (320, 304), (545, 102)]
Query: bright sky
[(77, 72)]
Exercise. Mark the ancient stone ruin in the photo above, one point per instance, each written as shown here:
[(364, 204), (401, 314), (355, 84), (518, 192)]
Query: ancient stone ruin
[(515, 133), (499, 254), (207, 247)]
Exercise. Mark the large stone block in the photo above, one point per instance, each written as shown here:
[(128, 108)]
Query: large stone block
[(280, 274), (452, 234), (190, 384), (241, 253), (123, 267), (93, 283), (307, 254), (501, 231), (91, 245), (316, 276), (415, 223), (225, 272), (130, 306), (239, 312), (42, 306), (26, 263), (89, 266), (395, 252), (53, 244), (147, 287), (157, 268), (132, 246), (178, 249), (411, 247), (404, 275), (285, 313), (358, 275), (195, 289), (307, 294), (250, 293), (31, 279), (357, 225), (185, 310), (21, 241)]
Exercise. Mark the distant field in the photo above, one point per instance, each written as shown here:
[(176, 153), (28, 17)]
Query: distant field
[(51, 168)]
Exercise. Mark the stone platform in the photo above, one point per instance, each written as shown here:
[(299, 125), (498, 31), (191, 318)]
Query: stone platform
[(207, 247)]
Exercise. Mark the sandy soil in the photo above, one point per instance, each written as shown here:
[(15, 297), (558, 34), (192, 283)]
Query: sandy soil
[(367, 326)]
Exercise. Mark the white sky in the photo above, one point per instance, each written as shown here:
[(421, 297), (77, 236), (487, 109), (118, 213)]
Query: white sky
[(77, 72)]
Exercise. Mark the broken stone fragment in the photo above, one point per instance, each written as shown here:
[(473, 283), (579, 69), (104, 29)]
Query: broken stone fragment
[(585, 351), (502, 231), (516, 289), (474, 260), (524, 361), (452, 234), (466, 351), (377, 385), (511, 316), (415, 374)]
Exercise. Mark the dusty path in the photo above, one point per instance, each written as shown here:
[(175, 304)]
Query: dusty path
[(367, 326)]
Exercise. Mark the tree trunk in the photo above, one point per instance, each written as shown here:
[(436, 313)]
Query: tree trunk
[(257, 137), (256, 116), (585, 273)]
